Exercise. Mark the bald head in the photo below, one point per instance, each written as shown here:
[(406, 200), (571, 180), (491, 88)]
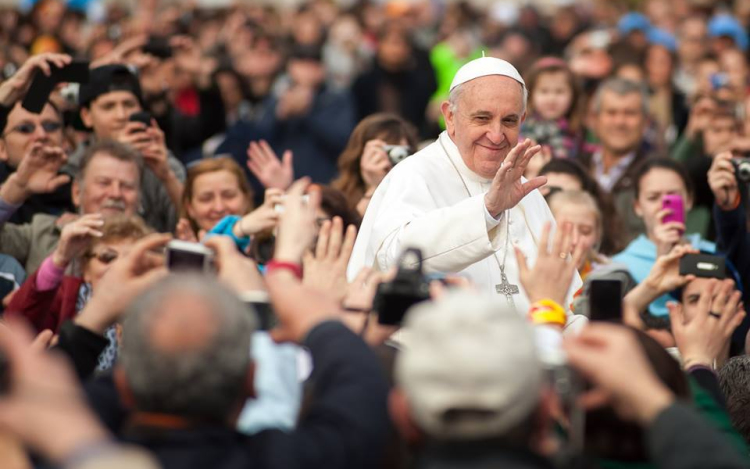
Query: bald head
[(186, 349)]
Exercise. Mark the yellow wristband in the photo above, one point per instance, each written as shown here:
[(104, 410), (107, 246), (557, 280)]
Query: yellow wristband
[(547, 312)]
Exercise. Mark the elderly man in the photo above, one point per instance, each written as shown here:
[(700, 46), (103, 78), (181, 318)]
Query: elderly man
[(621, 109), (108, 182), (463, 200)]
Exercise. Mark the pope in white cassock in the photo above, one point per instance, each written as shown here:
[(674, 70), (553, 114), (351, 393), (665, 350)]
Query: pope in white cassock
[(463, 200)]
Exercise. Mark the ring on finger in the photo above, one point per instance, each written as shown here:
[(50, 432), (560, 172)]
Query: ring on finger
[(563, 255)]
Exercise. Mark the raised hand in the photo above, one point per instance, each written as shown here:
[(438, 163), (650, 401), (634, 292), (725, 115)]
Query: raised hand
[(722, 181), (263, 217), (297, 225), (37, 174), (553, 272), (235, 270), (265, 165), (665, 273), (507, 190), (126, 278), (702, 338), (374, 164), (667, 235), (14, 88), (326, 269), (632, 387), (44, 406), (76, 237)]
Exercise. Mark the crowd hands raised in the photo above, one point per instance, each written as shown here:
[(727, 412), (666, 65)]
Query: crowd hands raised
[(268, 156)]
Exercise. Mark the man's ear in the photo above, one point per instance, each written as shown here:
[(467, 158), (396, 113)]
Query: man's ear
[(123, 388), (398, 407), (75, 192), (86, 117), (448, 115)]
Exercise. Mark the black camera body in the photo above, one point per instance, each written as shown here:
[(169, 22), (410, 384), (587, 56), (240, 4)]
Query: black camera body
[(742, 169), (409, 287)]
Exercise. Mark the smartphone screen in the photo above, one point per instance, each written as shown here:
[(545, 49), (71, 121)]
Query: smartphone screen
[(605, 300)]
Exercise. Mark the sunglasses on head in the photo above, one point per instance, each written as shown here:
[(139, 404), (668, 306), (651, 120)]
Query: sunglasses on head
[(29, 128)]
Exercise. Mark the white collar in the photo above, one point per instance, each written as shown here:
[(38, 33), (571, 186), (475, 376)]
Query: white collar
[(458, 161)]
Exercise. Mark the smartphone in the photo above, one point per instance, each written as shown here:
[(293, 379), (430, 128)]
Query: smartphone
[(42, 85), (158, 47), (141, 116), (184, 256), (703, 265), (605, 300), (259, 305), (674, 203)]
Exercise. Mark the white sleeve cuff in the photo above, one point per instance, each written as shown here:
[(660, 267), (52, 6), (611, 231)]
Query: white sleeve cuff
[(491, 221)]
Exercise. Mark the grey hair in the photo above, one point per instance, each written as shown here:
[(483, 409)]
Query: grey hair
[(621, 87), (204, 384), (455, 95)]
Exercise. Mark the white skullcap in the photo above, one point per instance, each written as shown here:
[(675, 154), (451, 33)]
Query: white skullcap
[(483, 67)]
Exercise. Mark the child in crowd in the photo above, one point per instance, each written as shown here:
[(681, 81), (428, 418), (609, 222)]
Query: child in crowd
[(553, 111)]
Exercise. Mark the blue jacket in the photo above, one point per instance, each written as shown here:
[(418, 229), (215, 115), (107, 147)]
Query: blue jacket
[(640, 256)]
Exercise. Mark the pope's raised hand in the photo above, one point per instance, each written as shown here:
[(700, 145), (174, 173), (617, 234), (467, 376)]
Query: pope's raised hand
[(507, 189)]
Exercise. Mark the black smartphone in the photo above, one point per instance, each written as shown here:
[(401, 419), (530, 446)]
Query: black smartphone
[(605, 300), (703, 265), (141, 116), (259, 304), (158, 47), (42, 85)]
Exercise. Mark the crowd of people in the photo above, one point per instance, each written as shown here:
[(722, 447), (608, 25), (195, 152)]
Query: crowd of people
[(525, 155)]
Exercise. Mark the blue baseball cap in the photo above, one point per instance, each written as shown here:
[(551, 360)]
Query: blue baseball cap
[(632, 21), (724, 25), (661, 37)]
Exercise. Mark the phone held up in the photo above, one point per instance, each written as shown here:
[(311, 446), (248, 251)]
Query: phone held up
[(676, 207), (184, 256), (605, 300)]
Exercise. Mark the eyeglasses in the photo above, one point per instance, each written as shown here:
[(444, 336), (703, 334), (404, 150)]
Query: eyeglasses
[(105, 257), (29, 128)]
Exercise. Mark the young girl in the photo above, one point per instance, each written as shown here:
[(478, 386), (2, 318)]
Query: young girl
[(552, 115)]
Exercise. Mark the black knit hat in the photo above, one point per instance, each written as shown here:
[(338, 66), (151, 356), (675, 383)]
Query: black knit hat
[(109, 78)]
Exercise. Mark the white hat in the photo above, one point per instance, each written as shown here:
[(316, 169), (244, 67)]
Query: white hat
[(486, 66), (468, 353)]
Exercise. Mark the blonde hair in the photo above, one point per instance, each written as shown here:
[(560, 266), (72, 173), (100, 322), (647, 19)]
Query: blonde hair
[(211, 166), (580, 198)]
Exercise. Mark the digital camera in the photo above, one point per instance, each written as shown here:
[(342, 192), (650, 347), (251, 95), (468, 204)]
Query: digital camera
[(397, 153), (742, 169), (409, 287)]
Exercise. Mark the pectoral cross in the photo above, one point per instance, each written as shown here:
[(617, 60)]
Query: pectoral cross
[(506, 288)]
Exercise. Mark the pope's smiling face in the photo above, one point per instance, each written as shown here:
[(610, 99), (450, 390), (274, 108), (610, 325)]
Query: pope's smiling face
[(485, 120)]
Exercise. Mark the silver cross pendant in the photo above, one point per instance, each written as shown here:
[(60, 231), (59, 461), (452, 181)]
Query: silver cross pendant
[(506, 288)]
